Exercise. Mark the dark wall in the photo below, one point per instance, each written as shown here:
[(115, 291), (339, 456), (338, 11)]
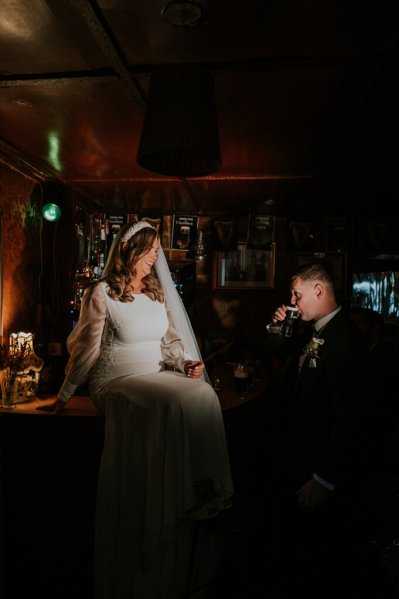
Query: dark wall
[(36, 264)]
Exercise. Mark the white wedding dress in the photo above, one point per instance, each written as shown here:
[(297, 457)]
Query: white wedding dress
[(164, 433)]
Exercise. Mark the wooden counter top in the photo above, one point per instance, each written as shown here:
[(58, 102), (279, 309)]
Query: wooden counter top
[(228, 396), (81, 405)]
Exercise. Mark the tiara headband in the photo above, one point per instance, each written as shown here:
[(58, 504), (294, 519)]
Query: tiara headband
[(133, 229)]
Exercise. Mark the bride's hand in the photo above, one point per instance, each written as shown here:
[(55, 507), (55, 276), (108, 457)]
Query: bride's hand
[(193, 369), (55, 407)]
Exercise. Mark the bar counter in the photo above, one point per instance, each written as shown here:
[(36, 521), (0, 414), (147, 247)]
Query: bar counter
[(48, 479), (82, 405)]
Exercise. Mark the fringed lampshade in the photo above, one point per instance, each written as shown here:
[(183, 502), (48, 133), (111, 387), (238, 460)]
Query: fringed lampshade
[(180, 134)]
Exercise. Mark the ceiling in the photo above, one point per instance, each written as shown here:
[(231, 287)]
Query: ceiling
[(306, 95)]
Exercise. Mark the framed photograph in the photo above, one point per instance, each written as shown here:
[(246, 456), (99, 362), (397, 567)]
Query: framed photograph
[(260, 231), (306, 235), (224, 234), (154, 221), (113, 222), (244, 268), (338, 234), (184, 232)]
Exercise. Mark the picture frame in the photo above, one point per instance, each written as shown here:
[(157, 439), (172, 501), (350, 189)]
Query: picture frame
[(224, 233), (244, 268), (184, 232), (338, 234), (260, 231), (154, 221)]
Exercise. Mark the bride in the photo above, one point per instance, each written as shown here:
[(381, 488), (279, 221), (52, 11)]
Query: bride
[(165, 455)]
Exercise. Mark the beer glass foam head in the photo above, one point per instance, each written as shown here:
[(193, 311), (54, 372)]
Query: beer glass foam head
[(291, 313)]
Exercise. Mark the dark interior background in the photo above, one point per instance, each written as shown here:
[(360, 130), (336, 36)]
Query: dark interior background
[(306, 97)]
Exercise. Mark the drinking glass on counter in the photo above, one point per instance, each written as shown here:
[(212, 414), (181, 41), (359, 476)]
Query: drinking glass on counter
[(241, 377)]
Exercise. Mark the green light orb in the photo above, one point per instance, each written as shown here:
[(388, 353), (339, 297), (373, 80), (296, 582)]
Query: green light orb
[(51, 212)]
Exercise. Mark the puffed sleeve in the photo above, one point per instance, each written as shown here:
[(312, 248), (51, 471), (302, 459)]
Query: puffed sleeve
[(83, 343), (173, 352)]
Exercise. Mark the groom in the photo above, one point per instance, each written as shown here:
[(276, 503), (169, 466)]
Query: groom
[(318, 443)]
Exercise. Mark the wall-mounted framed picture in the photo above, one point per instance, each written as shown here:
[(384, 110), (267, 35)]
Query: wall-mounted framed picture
[(155, 221), (184, 232), (338, 234), (224, 233), (244, 268), (260, 231)]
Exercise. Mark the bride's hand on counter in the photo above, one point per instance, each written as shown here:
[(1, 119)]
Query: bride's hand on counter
[(55, 407)]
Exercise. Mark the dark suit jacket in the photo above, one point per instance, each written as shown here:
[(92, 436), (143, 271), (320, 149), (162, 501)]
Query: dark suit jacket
[(324, 411)]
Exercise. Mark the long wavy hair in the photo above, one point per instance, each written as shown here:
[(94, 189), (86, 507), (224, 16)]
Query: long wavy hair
[(120, 268)]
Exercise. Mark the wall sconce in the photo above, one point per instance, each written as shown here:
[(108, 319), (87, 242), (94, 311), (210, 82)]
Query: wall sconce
[(199, 252), (51, 212)]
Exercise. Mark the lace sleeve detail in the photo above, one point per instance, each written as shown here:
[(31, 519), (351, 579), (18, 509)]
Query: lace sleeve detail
[(84, 342)]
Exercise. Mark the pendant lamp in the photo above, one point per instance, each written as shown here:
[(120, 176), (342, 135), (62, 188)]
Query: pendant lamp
[(180, 133)]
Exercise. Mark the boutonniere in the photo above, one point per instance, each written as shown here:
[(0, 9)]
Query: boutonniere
[(312, 350)]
